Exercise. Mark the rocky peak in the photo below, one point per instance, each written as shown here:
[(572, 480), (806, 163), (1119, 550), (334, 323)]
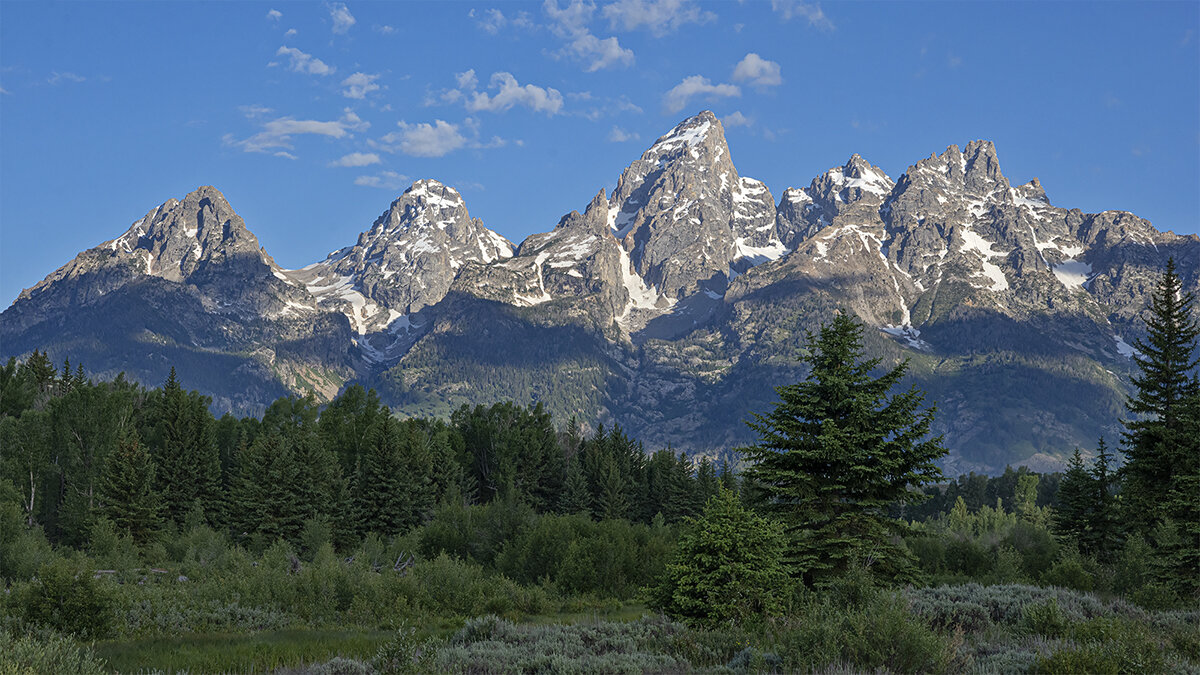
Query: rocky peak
[(1031, 192), (684, 215), (406, 260)]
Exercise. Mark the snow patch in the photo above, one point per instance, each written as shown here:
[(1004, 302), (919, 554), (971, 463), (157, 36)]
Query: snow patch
[(757, 255), (1124, 348), (910, 335), (1073, 273)]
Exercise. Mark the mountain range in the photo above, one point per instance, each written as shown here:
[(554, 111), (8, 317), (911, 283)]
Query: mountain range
[(672, 306)]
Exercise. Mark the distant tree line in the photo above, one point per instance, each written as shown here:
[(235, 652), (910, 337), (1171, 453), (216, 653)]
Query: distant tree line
[(153, 460)]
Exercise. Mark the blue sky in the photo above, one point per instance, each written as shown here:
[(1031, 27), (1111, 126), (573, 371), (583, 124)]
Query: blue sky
[(312, 116)]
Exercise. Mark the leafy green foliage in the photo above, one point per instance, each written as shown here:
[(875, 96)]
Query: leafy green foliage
[(66, 598)]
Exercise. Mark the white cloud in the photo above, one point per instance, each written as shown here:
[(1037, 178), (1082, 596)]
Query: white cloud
[(491, 21), (510, 94), (736, 119), (619, 135), (285, 155), (425, 140), (388, 180), (757, 71), (657, 16), (357, 159), (571, 24), (57, 77), (467, 80), (570, 20), (342, 18), (811, 11), (599, 54), (277, 134), (274, 15), (290, 32), (304, 63), (252, 111), (5, 91), (384, 29), (678, 97), (359, 85)]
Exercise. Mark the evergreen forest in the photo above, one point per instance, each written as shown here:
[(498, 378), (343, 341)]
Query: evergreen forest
[(139, 533)]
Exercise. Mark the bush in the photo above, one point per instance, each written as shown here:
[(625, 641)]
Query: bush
[(489, 645), (728, 567), (1069, 572), (1045, 619), (880, 635), (65, 597)]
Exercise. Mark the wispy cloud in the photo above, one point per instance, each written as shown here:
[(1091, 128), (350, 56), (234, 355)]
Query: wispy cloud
[(383, 29), (274, 15), (357, 159), (424, 139), (809, 11), (254, 111), (290, 32), (493, 21), (736, 119), (657, 16), (387, 180), (678, 97), (359, 85), (277, 134), (619, 135), (58, 78), (304, 63), (757, 72), (342, 19)]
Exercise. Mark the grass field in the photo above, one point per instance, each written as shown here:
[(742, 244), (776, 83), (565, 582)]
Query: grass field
[(266, 651)]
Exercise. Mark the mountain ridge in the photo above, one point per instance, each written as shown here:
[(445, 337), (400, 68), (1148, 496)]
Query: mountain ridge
[(660, 296)]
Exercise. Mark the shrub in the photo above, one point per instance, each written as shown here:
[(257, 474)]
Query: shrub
[(1045, 619), (881, 634), (405, 653), (728, 567), (494, 646), (1069, 572), (65, 597)]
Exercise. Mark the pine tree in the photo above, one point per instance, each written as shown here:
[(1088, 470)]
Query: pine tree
[(576, 498), (127, 490), (268, 499), (1104, 536), (1159, 450), (380, 491), (837, 452), (1076, 500), (612, 502)]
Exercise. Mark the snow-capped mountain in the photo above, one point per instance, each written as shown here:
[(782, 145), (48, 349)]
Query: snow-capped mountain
[(672, 306)]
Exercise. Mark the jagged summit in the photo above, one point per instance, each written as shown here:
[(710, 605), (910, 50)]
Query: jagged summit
[(406, 261)]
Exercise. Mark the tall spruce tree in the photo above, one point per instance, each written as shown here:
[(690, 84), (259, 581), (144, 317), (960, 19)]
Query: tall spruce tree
[(127, 489), (1160, 450), (1104, 535), (836, 452), (1076, 501)]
